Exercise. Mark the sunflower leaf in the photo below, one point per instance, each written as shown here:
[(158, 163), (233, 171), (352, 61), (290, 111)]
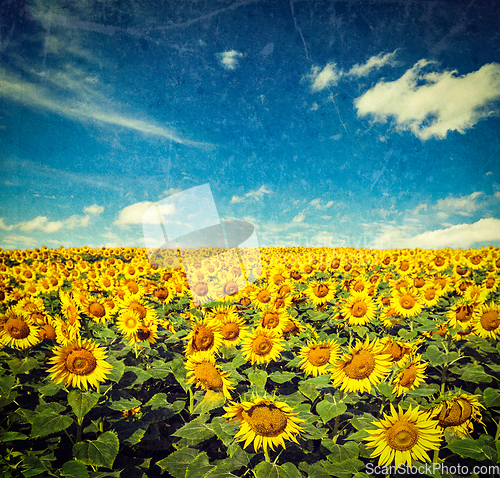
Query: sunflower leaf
[(270, 470), (224, 430), (328, 410), (196, 429), (100, 452), (468, 448), (476, 374), (22, 365), (258, 378), (199, 467), (48, 422), (74, 469), (491, 398), (82, 402), (345, 468), (178, 461)]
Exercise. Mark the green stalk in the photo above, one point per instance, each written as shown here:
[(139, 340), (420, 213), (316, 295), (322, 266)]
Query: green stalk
[(266, 454)]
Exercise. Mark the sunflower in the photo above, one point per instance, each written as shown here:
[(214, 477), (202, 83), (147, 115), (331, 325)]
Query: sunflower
[(262, 296), (409, 377), (264, 422), (223, 312), (320, 292), (94, 308), (457, 413), (65, 334), (233, 330), (261, 346), (398, 351), (490, 283), (205, 337), (79, 364), (17, 332), (274, 319), (430, 294), (146, 331), (476, 294), (404, 436), (128, 322), (406, 302), (292, 327), (364, 366), (137, 303), (359, 309), (316, 357), (205, 373), (486, 321), (460, 314)]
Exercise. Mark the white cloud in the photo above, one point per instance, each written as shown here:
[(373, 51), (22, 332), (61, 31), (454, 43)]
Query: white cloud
[(93, 210), (142, 212), (4, 226), (317, 204), (458, 236), (432, 104), (229, 59), (41, 223), (464, 205), (322, 78), (299, 217), (16, 240), (374, 63), (257, 195)]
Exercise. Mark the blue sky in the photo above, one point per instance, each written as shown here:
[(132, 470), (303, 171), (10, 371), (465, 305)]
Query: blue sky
[(367, 124)]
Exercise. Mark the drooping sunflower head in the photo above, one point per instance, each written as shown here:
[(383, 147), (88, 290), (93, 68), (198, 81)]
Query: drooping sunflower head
[(205, 373), (79, 364), (364, 366), (264, 422), (398, 351), (402, 437), (458, 413)]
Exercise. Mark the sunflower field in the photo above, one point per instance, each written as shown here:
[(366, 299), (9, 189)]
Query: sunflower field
[(320, 362)]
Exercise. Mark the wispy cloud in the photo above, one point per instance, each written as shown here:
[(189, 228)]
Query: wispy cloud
[(93, 210), (256, 195), (17, 241), (82, 101), (434, 103), (229, 59), (299, 217), (331, 74)]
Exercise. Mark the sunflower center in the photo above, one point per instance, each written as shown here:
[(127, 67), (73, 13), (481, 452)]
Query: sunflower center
[(321, 290), (130, 323), (278, 279), (408, 376), (476, 260), (490, 283), (264, 296), (405, 265), (203, 338), (230, 331), (308, 269), (81, 362), (395, 350), (139, 308), (359, 309), (489, 320), (359, 287), (245, 301), (209, 376), (464, 313), (143, 333), (457, 414), (430, 294), (162, 293), (439, 261), (97, 310), (360, 366), (266, 420), (407, 301), (419, 282), (201, 289), (402, 436), (284, 290), (231, 288), (319, 356), (262, 345), (270, 320), (17, 328)]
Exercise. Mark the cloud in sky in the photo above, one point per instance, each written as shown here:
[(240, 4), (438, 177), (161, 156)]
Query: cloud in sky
[(431, 104), (86, 103), (330, 74), (299, 217), (140, 212), (257, 195), (93, 210), (18, 241), (229, 59), (458, 236)]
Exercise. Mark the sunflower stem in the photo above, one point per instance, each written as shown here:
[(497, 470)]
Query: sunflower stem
[(78, 431), (443, 378), (191, 401), (266, 454), (497, 434), (86, 327)]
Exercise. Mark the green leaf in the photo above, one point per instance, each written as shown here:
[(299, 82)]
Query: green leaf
[(327, 409), (124, 404), (210, 402), (48, 422), (258, 378), (282, 377), (177, 462), (74, 469), (22, 365), (130, 431), (179, 372), (117, 371), (82, 402), (343, 452), (134, 376), (385, 389), (476, 374), (436, 356), (6, 384), (50, 390), (196, 429), (423, 392), (220, 471), (344, 468), (309, 390), (199, 466), (317, 471), (491, 398), (468, 448), (224, 430), (270, 470), (100, 452), (12, 436), (159, 370)]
